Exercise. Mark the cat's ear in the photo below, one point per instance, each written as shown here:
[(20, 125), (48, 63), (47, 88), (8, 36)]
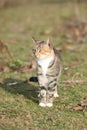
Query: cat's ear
[(48, 42), (34, 40)]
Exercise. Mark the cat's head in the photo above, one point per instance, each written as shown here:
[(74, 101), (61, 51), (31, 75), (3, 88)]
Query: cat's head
[(42, 49)]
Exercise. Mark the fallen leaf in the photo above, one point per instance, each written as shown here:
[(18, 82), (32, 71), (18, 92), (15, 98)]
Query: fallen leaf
[(74, 30), (64, 46), (83, 105), (6, 69), (28, 66), (58, 28), (46, 32), (78, 108), (1, 80)]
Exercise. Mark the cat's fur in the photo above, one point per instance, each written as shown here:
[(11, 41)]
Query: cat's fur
[(49, 67)]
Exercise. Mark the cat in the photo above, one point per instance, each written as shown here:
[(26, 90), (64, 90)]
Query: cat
[(49, 68)]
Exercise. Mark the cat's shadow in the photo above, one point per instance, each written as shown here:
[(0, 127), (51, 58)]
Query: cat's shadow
[(15, 86)]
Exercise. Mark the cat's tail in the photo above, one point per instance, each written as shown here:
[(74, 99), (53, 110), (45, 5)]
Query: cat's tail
[(33, 79)]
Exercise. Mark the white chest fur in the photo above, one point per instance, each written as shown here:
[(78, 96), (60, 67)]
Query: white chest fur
[(44, 63)]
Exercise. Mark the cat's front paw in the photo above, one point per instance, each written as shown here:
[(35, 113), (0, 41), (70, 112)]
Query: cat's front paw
[(56, 95), (42, 104), (38, 95), (49, 104)]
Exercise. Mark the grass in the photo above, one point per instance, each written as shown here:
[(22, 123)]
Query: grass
[(19, 108)]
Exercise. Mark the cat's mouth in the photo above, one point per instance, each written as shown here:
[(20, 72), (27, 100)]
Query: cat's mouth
[(44, 57)]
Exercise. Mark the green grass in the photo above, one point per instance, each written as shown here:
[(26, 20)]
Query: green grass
[(19, 108)]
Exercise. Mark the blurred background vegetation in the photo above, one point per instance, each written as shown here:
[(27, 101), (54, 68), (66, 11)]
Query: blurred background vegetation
[(8, 3)]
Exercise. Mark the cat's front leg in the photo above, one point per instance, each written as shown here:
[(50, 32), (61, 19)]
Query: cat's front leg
[(42, 96), (42, 91), (50, 97)]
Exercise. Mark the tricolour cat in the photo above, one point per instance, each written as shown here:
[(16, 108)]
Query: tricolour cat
[(49, 67)]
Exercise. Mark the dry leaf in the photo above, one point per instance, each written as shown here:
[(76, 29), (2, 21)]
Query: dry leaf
[(58, 28), (6, 69), (66, 47), (78, 108), (46, 32), (74, 30), (28, 66), (1, 80)]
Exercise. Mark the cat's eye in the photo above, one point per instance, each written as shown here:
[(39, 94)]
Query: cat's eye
[(33, 50)]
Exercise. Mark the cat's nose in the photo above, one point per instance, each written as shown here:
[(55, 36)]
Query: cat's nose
[(33, 50)]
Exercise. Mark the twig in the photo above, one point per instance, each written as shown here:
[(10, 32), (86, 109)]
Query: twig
[(77, 11), (75, 66), (4, 47), (74, 81)]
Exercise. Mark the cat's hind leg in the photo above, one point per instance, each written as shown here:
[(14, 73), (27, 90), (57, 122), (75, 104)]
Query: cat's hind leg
[(55, 92), (51, 93)]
